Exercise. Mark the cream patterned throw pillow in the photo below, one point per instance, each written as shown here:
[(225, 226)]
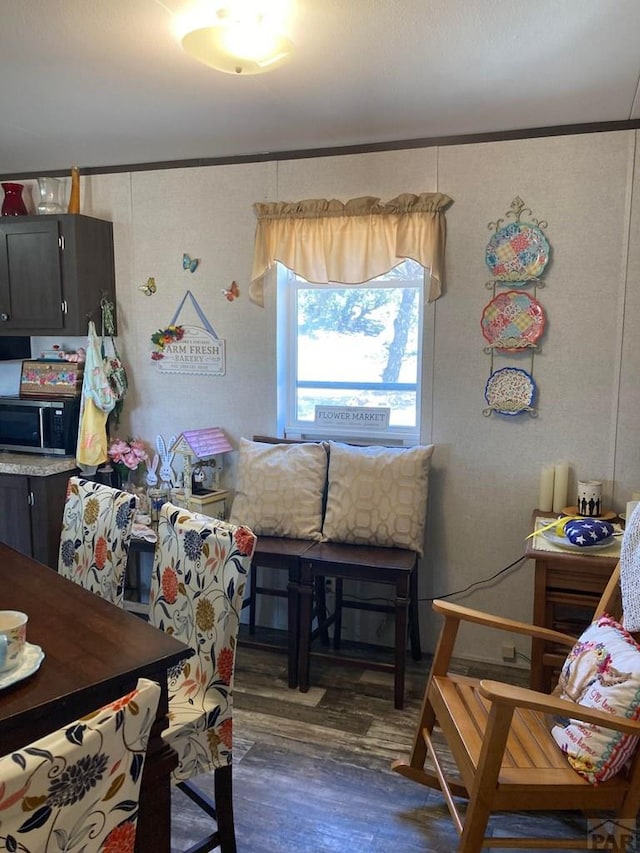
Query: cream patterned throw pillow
[(279, 489), (377, 495), (602, 671)]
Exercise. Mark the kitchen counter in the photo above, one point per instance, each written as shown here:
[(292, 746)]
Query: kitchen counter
[(34, 464)]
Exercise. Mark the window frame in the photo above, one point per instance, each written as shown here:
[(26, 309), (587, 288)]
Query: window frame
[(288, 425)]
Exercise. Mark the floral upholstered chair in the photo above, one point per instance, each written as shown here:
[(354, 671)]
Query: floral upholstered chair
[(78, 788), (96, 531), (197, 587)]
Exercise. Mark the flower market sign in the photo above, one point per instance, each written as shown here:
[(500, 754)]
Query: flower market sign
[(189, 349)]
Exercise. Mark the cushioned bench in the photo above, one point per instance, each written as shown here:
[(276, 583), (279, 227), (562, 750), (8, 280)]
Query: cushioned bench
[(325, 509)]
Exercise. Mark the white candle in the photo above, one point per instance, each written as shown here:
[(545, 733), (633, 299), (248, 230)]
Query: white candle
[(545, 500), (560, 486)]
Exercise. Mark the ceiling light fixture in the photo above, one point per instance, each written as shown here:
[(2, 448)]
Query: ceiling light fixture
[(245, 38)]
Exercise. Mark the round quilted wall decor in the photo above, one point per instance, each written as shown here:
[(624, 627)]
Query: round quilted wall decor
[(512, 321), (510, 391), (517, 252)]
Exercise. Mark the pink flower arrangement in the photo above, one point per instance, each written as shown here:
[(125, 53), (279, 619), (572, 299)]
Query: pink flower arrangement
[(127, 455)]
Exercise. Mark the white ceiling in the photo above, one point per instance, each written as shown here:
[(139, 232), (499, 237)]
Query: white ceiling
[(106, 83)]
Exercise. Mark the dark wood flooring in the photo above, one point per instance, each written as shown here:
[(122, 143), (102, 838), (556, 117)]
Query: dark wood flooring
[(311, 771)]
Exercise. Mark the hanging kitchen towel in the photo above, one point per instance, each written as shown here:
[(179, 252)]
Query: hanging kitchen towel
[(114, 368), (116, 375), (98, 399), (92, 435)]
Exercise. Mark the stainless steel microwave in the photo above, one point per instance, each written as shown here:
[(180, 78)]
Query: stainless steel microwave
[(39, 426)]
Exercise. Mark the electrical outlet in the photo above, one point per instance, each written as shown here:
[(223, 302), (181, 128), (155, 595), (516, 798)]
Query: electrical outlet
[(508, 652)]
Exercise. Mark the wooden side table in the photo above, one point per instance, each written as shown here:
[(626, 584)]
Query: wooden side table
[(567, 589)]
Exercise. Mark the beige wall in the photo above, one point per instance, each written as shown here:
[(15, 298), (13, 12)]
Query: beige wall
[(486, 470)]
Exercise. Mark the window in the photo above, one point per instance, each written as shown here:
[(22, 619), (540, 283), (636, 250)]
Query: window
[(351, 345)]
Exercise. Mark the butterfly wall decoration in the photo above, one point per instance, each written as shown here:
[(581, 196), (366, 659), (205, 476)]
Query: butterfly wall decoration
[(149, 288), (233, 291), (189, 263)]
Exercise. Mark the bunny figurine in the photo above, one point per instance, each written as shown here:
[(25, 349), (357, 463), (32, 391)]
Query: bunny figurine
[(166, 471), (152, 477)]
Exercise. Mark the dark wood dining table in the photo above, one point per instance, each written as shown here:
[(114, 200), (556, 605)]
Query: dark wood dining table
[(94, 653)]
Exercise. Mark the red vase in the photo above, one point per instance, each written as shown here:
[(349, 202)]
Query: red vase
[(13, 205)]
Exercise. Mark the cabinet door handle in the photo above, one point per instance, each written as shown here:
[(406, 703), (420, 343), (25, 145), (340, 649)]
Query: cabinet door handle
[(4, 317), (31, 499), (64, 307)]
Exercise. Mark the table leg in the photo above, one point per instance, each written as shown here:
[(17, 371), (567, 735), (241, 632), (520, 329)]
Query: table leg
[(536, 677)]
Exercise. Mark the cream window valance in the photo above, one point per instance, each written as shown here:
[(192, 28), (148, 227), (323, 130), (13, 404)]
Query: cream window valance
[(350, 242)]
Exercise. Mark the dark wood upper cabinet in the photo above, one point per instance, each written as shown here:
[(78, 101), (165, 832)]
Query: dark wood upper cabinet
[(54, 271)]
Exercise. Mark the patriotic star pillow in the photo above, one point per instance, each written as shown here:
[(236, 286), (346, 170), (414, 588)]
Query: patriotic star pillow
[(587, 531)]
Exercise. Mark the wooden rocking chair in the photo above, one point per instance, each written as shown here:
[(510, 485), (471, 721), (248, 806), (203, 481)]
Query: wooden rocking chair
[(504, 752)]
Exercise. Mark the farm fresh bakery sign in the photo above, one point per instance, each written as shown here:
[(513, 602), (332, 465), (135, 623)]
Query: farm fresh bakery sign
[(196, 352), (182, 348)]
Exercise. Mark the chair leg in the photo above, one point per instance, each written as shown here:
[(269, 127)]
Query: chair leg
[(475, 827), (205, 845), (427, 719), (401, 612), (306, 606), (223, 787), (253, 594), (221, 811), (414, 619), (337, 626), (321, 609), (293, 627)]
